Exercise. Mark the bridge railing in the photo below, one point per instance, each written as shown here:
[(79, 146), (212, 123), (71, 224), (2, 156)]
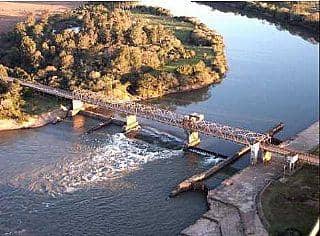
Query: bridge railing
[(238, 135)]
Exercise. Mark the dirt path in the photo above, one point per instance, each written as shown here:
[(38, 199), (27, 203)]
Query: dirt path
[(13, 12)]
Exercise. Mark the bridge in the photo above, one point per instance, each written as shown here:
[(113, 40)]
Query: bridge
[(152, 112)]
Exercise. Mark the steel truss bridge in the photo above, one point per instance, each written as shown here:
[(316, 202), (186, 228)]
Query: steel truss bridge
[(153, 112)]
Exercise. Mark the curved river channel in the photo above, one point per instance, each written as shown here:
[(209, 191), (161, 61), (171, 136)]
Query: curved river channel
[(56, 180)]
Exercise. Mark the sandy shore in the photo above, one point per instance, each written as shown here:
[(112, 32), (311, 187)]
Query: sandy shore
[(35, 121)]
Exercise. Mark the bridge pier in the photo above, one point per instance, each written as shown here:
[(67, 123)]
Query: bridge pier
[(193, 139), (193, 136), (131, 124), (77, 105)]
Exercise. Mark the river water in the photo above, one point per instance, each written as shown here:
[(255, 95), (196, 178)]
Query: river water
[(57, 180)]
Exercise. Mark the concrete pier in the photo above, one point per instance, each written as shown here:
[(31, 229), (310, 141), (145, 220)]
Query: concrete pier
[(77, 106), (190, 182), (193, 139), (131, 124)]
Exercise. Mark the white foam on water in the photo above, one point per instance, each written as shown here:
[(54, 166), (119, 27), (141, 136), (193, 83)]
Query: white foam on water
[(211, 160), (111, 160)]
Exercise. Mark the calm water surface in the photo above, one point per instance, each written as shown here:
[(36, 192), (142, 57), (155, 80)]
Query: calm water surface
[(57, 180)]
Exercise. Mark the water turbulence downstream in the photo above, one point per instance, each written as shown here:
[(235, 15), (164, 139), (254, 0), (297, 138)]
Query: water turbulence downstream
[(99, 162), (56, 179), (105, 176)]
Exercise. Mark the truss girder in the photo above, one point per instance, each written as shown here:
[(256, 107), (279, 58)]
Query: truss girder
[(153, 112)]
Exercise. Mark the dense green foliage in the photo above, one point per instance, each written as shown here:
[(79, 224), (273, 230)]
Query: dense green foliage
[(105, 48), (11, 102)]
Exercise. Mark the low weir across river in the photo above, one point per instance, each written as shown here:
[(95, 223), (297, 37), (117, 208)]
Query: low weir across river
[(272, 77), (237, 135)]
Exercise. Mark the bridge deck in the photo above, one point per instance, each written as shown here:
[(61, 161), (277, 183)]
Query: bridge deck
[(237, 135)]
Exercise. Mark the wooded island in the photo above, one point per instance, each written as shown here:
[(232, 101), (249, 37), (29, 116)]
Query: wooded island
[(121, 50)]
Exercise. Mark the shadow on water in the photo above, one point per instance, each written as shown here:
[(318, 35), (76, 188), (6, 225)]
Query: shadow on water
[(136, 203), (172, 101)]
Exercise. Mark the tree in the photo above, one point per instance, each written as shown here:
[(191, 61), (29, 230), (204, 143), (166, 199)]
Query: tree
[(11, 101), (137, 36)]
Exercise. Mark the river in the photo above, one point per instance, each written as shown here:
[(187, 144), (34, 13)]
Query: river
[(57, 180)]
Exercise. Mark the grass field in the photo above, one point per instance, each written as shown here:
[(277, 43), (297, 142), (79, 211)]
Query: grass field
[(182, 30), (293, 204)]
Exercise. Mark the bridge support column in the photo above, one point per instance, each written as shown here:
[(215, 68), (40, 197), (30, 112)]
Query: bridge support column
[(77, 106), (193, 136), (131, 124), (193, 139), (254, 153)]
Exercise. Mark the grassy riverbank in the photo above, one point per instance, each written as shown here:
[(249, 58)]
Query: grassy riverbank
[(36, 110), (294, 203), (300, 18), (140, 51)]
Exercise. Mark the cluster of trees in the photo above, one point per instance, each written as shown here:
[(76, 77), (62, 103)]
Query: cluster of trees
[(98, 47), (307, 11), (11, 101), (202, 35), (158, 11)]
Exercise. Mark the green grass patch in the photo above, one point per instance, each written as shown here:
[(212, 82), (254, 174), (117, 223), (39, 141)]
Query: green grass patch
[(293, 204), (173, 65), (181, 29), (202, 53)]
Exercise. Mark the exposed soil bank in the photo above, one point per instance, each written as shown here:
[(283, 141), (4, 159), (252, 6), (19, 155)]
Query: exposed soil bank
[(295, 24), (233, 206), (35, 121)]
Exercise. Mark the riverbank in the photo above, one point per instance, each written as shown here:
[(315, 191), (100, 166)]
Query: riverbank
[(291, 204), (35, 121), (297, 19), (154, 53), (233, 206)]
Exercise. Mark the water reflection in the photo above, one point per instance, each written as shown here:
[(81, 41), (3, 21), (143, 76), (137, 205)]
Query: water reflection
[(312, 37), (273, 77), (192, 9), (78, 123), (172, 101)]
